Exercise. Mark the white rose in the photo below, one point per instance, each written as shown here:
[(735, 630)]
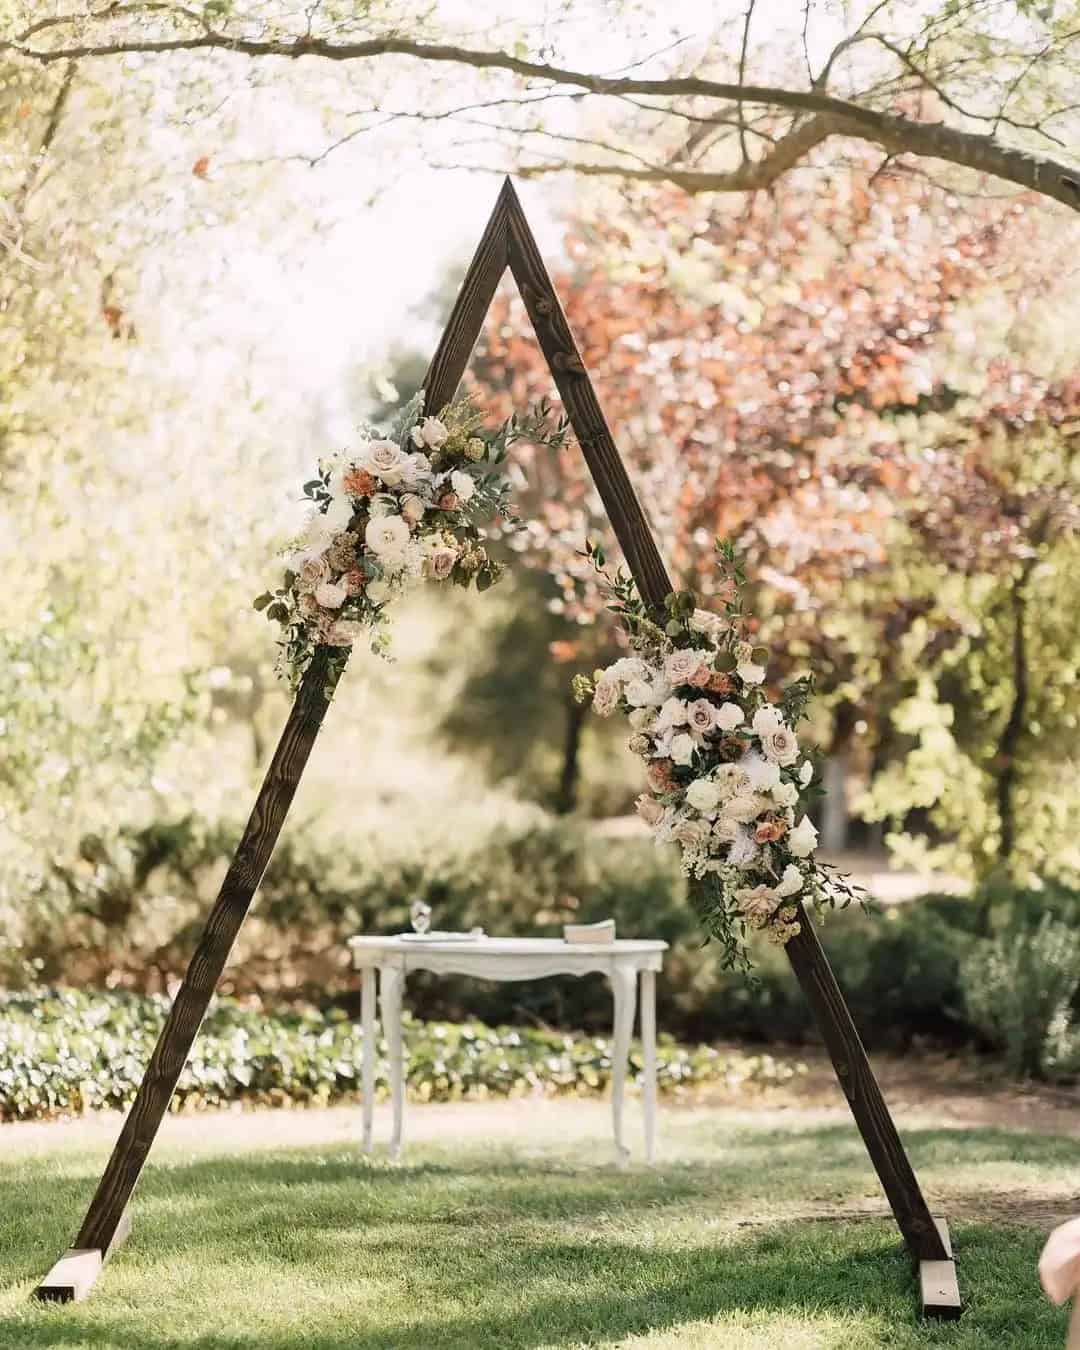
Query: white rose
[(640, 694), (703, 796), (331, 594), (701, 716), (802, 840), (412, 509), (386, 536), (627, 668), (430, 432), (791, 882), (673, 713), (712, 625), (786, 794), (750, 673), (641, 719), (383, 459), (781, 745), (605, 697), (729, 716), (764, 774), (463, 484), (682, 748), (766, 720), (806, 772)]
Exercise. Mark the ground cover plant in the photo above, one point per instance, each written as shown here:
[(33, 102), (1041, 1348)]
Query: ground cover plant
[(64, 1051)]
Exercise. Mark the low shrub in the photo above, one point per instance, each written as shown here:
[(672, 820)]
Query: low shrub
[(126, 913), (63, 1051), (1019, 989)]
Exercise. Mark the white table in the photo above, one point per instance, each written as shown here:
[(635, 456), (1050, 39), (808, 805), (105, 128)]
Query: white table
[(489, 958)]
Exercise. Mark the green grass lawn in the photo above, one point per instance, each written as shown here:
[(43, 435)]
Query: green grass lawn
[(506, 1227)]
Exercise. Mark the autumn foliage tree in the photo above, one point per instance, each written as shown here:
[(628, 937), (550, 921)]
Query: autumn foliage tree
[(829, 377)]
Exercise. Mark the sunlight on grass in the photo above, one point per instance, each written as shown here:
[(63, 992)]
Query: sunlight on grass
[(485, 1243)]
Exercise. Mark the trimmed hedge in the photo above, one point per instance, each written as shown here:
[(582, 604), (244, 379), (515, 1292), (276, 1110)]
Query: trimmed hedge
[(64, 1052)]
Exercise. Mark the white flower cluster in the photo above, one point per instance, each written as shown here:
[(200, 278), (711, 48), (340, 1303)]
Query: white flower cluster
[(388, 513), (724, 769)]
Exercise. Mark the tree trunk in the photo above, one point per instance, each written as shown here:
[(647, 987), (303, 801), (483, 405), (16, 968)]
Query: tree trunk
[(1013, 729), (566, 797)]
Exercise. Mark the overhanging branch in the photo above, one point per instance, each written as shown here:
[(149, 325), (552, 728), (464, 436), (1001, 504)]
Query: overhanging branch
[(898, 135)]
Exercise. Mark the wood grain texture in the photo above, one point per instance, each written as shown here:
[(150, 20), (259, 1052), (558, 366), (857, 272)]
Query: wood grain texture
[(470, 308), (583, 408), (852, 1066), (208, 961), (939, 1289)]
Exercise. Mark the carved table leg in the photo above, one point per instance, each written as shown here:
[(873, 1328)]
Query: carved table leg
[(391, 981), (367, 1019), (648, 1047), (624, 989)]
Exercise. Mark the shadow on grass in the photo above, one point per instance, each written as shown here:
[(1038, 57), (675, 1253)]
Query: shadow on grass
[(495, 1252)]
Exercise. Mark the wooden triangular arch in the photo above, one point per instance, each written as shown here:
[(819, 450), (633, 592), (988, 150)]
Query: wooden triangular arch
[(507, 242)]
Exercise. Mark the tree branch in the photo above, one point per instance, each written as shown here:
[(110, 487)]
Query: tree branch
[(841, 117)]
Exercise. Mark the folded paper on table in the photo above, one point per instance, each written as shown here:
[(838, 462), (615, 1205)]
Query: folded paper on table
[(590, 932)]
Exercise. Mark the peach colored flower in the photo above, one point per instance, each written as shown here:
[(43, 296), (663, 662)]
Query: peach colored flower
[(355, 581), (412, 508), (719, 683), (649, 809), (659, 776), (770, 829), (449, 501), (359, 483)]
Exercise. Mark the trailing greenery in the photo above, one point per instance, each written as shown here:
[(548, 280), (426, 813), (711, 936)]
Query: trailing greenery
[(64, 1051)]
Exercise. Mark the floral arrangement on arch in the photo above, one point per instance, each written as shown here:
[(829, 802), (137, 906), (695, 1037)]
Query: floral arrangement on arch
[(395, 509), (727, 779)]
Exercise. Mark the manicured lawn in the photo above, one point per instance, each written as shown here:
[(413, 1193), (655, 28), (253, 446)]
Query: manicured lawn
[(506, 1227)]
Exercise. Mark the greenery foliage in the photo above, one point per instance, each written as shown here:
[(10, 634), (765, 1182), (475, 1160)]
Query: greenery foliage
[(64, 1051), (125, 912), (1019, 989)]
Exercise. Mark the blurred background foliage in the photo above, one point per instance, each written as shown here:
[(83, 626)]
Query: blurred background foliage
[(868, 380)]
